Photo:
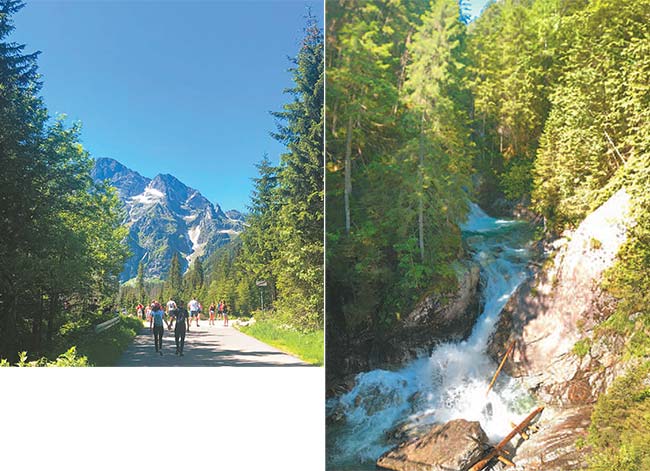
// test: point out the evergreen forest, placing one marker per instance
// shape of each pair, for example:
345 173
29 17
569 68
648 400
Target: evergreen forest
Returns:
283 241
539 108
63 243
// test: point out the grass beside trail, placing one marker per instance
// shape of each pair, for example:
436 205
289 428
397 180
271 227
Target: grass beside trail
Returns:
309 347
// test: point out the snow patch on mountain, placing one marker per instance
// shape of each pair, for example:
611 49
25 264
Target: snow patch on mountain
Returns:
149 196
165 217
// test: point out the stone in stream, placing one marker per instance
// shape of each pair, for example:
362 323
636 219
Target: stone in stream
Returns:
455 445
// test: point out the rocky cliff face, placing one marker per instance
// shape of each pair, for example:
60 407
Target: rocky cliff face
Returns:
164 216
435 319
547 317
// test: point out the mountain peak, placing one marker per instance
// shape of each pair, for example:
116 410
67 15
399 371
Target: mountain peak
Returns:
128 182
165 217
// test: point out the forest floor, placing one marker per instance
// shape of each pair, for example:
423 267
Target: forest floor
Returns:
206 346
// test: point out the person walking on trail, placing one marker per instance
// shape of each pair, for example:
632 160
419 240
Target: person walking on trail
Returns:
139 309
181 317
156 324
212 310
220 311
194 308
147 313
225 313
171 307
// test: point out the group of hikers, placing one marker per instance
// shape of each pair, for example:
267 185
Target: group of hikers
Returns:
176 314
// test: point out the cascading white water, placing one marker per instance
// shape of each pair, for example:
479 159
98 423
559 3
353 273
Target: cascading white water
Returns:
449 384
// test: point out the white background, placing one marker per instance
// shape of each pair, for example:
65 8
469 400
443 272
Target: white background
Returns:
162 418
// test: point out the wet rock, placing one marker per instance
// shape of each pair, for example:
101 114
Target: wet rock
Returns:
546 317
455 445
410 430
554 446
434 319
549 314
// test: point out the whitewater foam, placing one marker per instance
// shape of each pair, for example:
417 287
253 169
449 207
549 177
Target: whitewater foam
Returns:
452 382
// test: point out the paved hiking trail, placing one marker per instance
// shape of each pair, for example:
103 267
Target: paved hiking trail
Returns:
206 346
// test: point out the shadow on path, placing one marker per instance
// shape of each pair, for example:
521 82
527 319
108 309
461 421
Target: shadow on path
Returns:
206 346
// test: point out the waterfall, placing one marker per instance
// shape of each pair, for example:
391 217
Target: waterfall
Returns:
449 384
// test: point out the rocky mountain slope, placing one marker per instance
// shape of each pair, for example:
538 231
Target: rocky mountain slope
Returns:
551 319
164 216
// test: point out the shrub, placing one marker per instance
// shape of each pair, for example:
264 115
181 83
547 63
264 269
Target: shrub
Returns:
69 358
620 424
582 347
595 244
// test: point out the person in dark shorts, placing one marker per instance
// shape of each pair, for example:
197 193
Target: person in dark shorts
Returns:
225 314
212 309
181 318
156 323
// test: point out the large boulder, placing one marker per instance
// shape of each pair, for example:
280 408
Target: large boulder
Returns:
457 445
555 446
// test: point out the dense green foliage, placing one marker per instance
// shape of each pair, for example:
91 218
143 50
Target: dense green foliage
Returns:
61 243
398 156
105 348
517 49
68 358
542 104
283 240
597 131
620 428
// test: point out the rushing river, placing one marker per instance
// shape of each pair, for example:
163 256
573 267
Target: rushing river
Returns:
451 383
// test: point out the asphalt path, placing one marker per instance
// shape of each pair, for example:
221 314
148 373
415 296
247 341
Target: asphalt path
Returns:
206 345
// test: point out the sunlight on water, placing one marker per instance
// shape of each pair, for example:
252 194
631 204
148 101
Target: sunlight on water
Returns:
451 383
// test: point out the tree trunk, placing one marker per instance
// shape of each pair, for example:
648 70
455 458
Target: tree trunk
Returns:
37 328
51 316
348 174
9 334
421 201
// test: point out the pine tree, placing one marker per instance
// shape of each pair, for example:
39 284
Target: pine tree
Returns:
140 284
175 278
257 258
300 218
62 233
195 279
434 90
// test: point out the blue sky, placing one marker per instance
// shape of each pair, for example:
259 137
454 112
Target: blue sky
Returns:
476 6
169 86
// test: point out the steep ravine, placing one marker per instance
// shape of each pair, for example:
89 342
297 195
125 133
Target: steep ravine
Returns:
387 406
545 311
